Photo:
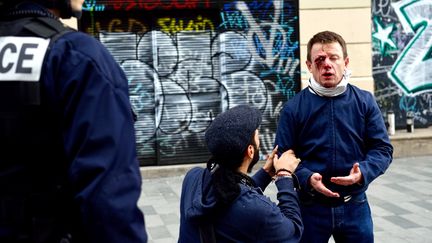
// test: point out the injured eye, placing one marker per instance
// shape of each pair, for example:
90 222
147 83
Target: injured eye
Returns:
320 59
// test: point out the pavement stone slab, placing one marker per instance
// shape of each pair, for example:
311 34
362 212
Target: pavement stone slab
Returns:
400 201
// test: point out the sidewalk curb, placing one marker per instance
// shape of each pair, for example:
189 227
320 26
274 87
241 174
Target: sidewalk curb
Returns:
153 172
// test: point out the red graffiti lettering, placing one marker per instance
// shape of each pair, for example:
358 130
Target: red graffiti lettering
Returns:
157 4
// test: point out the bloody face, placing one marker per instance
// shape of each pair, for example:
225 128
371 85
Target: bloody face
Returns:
327 63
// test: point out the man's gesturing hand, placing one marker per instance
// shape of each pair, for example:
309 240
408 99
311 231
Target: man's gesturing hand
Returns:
354 177
316 182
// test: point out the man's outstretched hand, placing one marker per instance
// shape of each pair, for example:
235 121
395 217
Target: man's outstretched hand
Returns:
316 182
354 177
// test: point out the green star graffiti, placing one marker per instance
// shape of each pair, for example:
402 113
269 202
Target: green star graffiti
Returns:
383 35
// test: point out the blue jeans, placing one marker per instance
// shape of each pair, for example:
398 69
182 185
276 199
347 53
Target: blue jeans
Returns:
350 222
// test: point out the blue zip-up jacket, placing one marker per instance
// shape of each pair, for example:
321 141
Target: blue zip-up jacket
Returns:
87 94
91 95
330 134
252 217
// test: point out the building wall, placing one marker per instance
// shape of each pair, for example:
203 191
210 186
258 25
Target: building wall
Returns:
377 60
390 49
402 59
172 121
350 19
187 61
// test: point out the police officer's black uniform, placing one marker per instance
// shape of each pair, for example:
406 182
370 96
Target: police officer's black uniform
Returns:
59 171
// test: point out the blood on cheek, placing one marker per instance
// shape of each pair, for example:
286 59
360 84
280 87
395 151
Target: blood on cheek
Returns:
319 62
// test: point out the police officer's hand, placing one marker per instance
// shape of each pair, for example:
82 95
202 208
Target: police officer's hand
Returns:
287 160
268 166
354 177
316 182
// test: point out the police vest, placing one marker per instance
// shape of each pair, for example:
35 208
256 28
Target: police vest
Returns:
33 194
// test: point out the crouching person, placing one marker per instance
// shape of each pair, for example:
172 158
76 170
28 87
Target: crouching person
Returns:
221 203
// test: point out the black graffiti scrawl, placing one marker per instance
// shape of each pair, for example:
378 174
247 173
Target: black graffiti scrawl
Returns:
187 61
402 59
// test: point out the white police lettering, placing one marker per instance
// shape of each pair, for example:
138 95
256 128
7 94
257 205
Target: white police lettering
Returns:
21 58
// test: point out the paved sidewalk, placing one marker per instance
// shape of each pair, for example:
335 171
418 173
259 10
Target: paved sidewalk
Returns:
401 203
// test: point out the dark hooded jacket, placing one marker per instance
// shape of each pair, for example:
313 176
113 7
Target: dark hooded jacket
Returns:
252 217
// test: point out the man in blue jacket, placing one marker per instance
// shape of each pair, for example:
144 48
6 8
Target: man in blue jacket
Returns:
221 203
68 167
339 133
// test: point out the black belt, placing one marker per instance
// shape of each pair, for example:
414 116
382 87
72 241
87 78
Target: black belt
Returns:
327 201
333 201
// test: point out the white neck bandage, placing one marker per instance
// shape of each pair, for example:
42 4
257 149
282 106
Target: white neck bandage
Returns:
317 89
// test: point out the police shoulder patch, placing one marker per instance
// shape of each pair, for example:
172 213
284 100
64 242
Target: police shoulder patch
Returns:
21 58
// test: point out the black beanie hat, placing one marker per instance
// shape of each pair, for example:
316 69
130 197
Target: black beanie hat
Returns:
230 132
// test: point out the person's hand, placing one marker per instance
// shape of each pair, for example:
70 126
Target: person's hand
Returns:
268 166
287 160
354 177
316 183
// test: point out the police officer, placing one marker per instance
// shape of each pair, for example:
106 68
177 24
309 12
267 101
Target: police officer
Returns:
68 165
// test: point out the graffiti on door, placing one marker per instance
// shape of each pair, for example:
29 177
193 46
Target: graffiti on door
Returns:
402 57
184 68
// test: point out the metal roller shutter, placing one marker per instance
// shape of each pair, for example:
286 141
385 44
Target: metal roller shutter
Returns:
187 61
